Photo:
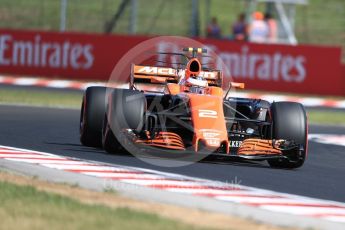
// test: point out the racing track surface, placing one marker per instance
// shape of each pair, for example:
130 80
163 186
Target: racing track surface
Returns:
56 131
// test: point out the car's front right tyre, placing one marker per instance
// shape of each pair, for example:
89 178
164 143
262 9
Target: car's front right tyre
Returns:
289 122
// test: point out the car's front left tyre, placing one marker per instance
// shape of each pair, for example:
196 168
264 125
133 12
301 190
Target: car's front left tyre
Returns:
125 111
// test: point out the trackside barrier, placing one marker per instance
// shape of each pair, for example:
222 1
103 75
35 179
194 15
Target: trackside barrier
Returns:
80 56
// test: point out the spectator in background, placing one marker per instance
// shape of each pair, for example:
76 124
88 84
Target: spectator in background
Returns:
258 29
272 28
239 29
213 30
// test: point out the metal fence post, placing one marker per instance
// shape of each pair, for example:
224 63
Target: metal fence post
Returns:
132 27
63 11
194 24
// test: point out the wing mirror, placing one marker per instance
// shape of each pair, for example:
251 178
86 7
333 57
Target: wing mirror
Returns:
236 85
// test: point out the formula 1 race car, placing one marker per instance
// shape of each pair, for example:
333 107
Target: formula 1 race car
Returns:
192 114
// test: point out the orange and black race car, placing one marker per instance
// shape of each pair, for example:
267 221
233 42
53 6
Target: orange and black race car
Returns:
187 112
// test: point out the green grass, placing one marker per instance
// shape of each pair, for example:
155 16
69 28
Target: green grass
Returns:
322 22
24 207
326 117
41 97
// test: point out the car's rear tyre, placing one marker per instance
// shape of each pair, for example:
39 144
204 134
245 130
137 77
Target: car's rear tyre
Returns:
91 116
289 122
126 110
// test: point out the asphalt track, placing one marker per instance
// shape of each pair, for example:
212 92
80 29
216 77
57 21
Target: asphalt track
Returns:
56 131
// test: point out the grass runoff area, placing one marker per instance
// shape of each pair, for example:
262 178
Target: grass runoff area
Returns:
40 97
327 117
37 210
72 99
30 203
24 207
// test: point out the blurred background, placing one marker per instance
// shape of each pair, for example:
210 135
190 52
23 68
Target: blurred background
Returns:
287 46
311 22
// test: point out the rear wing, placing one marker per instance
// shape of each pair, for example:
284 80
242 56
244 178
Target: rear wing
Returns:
163 75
